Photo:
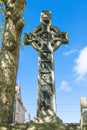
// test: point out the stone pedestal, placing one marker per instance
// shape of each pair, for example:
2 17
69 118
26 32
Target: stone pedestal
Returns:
46 117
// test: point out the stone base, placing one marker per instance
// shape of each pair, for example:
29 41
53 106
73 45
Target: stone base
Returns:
46 117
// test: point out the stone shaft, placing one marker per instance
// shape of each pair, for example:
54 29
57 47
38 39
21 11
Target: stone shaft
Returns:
46 39
46 87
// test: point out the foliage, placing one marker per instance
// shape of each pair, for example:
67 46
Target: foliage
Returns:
14 127
2 7
1 1
43 126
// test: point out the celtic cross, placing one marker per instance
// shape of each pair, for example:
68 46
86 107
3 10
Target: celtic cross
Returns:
46 39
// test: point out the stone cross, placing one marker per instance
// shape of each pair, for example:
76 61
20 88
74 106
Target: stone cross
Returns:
46 39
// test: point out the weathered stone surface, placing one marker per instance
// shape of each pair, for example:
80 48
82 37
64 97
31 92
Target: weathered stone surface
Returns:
83 106
46 117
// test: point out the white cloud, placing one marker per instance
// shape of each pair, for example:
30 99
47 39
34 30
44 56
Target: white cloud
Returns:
67 53
80 67
64 86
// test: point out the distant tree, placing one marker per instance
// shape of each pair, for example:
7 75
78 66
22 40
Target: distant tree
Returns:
9 56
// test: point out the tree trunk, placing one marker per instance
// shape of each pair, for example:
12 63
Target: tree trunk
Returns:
9 57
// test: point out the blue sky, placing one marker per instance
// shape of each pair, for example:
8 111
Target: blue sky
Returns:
70 60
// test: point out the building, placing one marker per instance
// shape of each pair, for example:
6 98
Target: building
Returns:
19 109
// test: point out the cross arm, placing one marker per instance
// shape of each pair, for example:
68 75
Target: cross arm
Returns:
64 37
32 39
58 39
29 38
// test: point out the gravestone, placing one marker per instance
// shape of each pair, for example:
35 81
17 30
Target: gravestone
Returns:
83 107
46 39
